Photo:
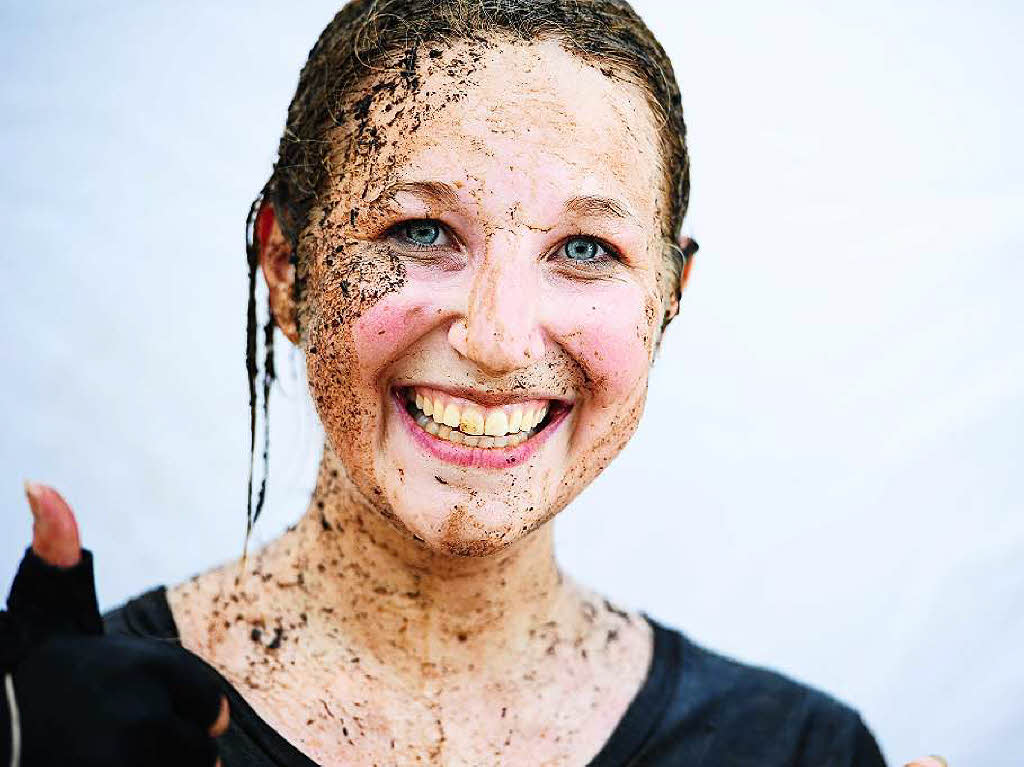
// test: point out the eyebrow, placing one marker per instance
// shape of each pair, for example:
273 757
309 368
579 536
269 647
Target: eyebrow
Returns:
592 205
434 191
445 194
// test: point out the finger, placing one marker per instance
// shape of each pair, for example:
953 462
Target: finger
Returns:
928 761
219 727
55 537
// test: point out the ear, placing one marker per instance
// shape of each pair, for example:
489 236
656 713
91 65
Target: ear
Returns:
689 250
278 270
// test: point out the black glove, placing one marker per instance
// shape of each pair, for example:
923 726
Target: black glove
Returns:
84 699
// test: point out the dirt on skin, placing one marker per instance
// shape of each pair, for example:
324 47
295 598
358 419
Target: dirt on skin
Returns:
351 636
330 654
343 273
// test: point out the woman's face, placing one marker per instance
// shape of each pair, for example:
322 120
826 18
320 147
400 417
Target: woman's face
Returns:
486 286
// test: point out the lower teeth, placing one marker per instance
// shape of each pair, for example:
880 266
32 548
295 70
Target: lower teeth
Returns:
457 437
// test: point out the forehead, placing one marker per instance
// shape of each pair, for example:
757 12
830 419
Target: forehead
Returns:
514 124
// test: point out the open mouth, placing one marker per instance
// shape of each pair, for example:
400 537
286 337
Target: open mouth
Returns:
460 421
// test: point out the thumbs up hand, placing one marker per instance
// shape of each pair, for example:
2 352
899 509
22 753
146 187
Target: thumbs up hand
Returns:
53 591
71 695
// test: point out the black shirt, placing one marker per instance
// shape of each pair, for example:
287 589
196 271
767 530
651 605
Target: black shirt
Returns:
696 708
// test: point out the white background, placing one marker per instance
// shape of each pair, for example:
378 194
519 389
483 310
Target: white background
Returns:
828 477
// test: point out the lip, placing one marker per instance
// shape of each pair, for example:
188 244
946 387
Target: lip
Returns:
475 457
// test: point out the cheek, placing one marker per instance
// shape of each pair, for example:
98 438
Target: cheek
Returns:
386 331
607 331
345 364
355 308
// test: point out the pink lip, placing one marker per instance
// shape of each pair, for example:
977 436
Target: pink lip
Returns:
476 457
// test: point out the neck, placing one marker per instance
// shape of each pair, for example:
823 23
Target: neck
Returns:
416 611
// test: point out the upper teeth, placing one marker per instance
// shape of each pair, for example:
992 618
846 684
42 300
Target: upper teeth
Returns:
473 419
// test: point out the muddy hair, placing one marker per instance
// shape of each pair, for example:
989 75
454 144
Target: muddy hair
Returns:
369 51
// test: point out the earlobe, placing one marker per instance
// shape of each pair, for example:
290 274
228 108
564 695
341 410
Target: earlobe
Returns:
278 270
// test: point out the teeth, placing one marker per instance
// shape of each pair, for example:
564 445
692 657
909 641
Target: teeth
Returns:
472 421
472 440
464 423
451 416
496 424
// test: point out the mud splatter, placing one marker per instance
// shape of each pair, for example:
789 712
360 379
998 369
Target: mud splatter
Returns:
390 634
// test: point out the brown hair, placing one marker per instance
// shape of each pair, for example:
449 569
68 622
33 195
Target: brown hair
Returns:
369 51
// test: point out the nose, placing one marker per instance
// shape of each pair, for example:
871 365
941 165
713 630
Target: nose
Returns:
500 330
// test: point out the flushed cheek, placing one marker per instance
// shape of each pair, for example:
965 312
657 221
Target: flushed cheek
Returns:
345 360
344 363
607 332
349 338
388 329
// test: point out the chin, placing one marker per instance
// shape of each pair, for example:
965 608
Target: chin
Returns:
462 524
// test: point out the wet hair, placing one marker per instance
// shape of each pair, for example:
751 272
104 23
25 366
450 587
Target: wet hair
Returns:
369 51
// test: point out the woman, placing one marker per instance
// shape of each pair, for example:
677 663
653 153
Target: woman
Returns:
472 233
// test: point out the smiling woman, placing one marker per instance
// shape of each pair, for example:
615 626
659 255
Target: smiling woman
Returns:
472 233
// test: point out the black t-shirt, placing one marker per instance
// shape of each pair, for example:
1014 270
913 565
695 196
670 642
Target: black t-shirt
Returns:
696 708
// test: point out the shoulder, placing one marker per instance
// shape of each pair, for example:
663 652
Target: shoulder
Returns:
249 740
176 611
181 612
725 711
146 615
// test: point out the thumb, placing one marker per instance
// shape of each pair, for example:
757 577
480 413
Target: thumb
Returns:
55 538
53 591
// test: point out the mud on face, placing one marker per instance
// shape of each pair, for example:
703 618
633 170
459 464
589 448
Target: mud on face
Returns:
511 130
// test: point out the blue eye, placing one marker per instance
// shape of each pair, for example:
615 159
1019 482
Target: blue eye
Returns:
581 249
589 251
425 233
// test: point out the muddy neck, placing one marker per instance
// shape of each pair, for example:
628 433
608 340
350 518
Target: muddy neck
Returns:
419 612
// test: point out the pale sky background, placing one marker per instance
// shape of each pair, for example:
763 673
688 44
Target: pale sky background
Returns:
828 477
